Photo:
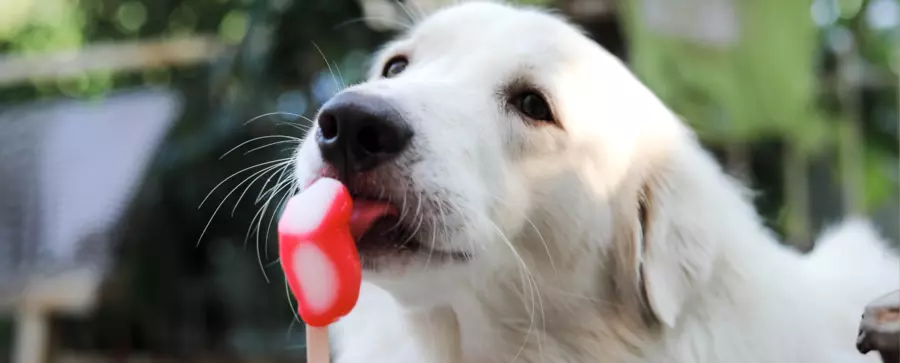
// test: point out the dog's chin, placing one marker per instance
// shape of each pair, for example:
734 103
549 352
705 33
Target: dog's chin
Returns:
388 245
391 248
414 272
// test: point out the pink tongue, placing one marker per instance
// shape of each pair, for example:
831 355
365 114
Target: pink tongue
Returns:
365 213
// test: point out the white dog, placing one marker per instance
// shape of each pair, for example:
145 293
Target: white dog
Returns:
525 198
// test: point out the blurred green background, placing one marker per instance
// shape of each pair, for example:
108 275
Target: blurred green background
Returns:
796 97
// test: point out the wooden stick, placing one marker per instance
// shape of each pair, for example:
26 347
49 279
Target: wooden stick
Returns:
317 347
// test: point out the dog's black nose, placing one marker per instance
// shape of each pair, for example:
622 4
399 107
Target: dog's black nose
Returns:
358 132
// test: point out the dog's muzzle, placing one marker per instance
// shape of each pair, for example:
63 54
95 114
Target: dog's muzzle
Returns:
359 132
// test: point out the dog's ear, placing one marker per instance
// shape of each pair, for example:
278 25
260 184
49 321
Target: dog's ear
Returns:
662 256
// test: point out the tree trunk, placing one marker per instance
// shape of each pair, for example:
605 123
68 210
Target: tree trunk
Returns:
796 196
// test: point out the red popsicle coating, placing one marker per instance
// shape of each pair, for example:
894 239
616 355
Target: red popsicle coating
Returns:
318 253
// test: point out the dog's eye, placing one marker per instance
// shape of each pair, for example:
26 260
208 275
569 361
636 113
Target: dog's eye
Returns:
533 106
394 66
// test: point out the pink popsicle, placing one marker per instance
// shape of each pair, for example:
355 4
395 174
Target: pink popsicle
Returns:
318 252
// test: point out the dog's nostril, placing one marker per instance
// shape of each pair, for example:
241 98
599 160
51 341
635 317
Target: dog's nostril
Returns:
328 126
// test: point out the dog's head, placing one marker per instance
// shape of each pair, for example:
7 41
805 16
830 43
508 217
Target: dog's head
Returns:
502 138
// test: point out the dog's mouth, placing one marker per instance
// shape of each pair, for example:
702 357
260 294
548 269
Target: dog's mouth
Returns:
378 229
386 233
382 232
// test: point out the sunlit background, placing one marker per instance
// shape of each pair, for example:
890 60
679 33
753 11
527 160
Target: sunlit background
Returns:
119 119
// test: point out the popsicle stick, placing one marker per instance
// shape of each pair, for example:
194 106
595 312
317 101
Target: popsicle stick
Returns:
317 350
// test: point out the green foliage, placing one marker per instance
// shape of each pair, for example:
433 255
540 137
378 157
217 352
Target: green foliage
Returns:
534 2
34 27
131 16
880 173
764 84
778 81
233 27
40 27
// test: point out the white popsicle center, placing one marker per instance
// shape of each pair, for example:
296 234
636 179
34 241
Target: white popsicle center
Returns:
316 276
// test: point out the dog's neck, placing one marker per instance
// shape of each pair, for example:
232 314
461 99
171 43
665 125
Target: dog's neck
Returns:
503 318
515 322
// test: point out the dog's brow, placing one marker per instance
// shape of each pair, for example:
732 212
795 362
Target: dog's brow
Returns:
520 81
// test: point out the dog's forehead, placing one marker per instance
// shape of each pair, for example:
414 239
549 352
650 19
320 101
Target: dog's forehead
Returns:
490 27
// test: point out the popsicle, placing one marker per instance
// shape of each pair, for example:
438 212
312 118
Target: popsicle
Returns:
318 253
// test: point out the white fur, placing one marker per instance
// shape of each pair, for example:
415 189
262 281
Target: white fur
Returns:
565 268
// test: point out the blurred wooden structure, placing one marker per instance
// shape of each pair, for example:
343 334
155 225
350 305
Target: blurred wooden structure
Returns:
40 297
79 358
119 56
69 170
63 187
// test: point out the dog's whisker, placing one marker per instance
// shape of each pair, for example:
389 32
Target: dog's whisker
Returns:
403 25
434 227
403 207
303 128
412 17
255 139
422 12
340 85
254 225
290 300
416 216
292 141
219 206
285 182
469 237
536 230
273 169
284 170
258 230
531 291
453 209
340 75
431 244
271 114
281 203
402 216
258 165
278 187
280 169
419 198
412 233
290 329
304 118
285 175
529 282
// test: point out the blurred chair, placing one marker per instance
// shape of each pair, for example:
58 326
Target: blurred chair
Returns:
68 170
